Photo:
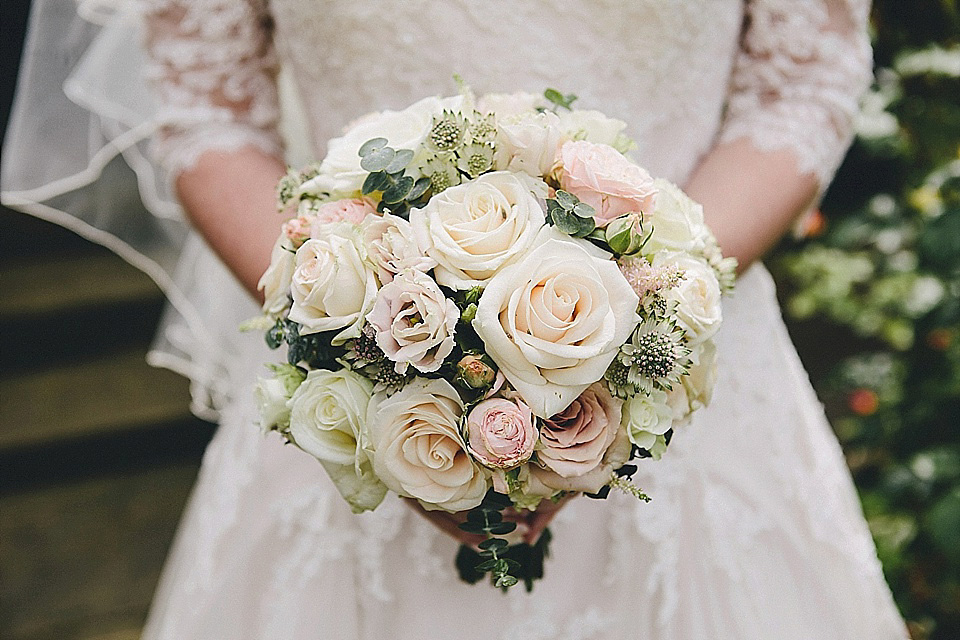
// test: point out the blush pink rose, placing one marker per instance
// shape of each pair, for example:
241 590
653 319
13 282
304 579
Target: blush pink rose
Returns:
298 230
352 210
602 177
574 441
501 432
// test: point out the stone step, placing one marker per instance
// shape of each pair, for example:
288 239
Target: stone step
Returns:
110 394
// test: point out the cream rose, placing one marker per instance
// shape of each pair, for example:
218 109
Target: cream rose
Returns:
275 281
695 389
415 322
392 248
528 142
593 126
340 173
697 296
474 229
574 441
418 450
647 416
554 321
502 434
333 287
272 396
676 220
328 413
605 179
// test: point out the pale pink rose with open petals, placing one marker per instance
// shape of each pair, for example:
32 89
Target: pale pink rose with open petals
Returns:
298 229
415 322
602 177
352 210
575 440
501 433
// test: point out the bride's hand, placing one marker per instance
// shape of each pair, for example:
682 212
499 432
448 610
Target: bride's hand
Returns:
530 524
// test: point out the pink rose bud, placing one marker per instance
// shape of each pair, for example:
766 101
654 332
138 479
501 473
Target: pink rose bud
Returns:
475 373
297 229
501 433
352 210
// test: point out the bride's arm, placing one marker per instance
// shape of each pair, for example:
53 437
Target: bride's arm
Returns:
794 92
213 67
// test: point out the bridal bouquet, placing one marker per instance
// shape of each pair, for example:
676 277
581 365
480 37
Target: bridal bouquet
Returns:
486 305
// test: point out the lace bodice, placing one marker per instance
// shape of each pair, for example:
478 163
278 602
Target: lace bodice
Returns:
683 73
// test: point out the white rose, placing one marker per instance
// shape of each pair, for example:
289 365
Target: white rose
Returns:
340 172
646 417
333 286
677 221
392 248
272 395
275 281
508 104
594 126
418 449
554 321
328 413
474 229
695 389
697 296
528 142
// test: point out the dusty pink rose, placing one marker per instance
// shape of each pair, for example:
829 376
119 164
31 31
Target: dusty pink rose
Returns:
415 322
352 210
501 433
602 177
575 440
392 247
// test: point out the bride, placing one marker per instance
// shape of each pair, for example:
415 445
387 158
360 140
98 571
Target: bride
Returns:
754 531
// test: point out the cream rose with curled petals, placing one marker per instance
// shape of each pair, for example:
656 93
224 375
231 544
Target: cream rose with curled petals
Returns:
605 179
275 281
328 414
418 450
476 228
415 322
501 432
647 416
676 221
697 296
333 286
554 321
392 248
574 441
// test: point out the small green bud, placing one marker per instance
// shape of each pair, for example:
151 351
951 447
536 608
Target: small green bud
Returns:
469 313
625 234
473 372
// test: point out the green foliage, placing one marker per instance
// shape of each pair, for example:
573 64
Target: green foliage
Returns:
559 100
387 167
878 283
571 216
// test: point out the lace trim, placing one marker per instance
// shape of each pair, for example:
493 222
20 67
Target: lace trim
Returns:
796 86
213 66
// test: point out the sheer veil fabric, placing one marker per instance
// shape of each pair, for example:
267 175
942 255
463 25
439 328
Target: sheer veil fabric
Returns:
755 530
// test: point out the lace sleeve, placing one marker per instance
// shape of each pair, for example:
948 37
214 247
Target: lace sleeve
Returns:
213 67
802 67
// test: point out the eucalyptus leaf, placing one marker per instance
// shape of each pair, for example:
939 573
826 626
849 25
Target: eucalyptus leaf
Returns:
398 190
377 181
494 544
378 159
505 582
371 145
502 528
471 527
583 210
400 161
419 188
566 200
487 565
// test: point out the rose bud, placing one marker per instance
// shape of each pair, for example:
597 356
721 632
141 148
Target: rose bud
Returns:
473 372
501 433
625 234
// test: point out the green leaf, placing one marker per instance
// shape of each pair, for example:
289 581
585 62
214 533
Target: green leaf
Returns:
494 544
377 181
583 210
505 582
502 528
400 161
398 191
558 99
472 527
371 145
378 159
566 200
487 565
419 188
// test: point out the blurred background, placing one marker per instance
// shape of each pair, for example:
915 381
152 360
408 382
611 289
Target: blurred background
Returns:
91 487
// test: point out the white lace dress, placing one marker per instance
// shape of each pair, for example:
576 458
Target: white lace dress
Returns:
754 531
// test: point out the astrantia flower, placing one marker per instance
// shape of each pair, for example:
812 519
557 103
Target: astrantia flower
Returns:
441 168
482 128
475 158
447 132
656 356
